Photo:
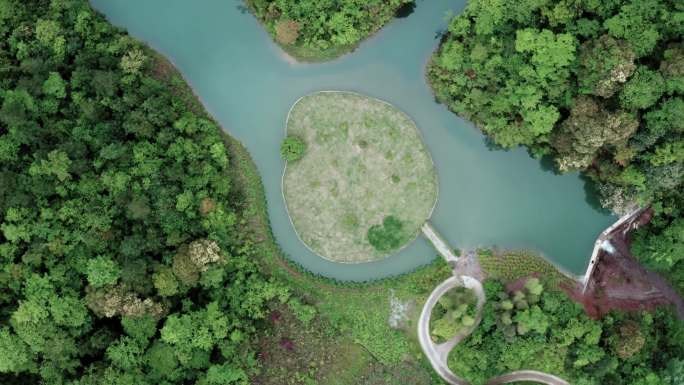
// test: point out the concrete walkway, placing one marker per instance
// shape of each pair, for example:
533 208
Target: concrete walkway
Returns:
527 375
438 242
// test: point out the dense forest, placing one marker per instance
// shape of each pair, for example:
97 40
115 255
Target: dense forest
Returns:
597 85
536 328
122 259
125 257
323 29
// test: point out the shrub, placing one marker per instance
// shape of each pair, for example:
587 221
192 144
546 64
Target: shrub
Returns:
387 236
292 149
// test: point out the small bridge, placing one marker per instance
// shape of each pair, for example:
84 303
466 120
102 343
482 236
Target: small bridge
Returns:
438 242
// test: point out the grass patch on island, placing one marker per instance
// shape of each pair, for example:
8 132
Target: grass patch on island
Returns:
365 183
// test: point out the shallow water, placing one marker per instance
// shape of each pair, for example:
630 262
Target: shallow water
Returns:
486 197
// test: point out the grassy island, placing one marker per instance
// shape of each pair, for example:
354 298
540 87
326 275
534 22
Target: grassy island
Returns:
366 182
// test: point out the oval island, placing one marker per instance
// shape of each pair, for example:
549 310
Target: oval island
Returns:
361 182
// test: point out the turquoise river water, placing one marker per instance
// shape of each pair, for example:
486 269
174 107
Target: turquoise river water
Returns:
486 197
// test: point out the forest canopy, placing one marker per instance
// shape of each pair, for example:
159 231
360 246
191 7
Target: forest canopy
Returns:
323 29
537 328
122 256
597 85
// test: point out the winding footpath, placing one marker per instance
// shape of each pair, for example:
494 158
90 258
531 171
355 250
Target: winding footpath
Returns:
438 354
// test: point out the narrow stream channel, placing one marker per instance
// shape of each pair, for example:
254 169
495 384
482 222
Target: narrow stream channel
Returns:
487 197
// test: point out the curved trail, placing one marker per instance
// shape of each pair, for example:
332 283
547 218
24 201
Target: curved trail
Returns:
528 375
438 353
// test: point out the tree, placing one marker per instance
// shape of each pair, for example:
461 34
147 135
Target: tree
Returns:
388 236
604 65
225 374
102 271
55 86
133 62
454 311
287 31
643 90
292 149
589 128
672 68
637 23
15 356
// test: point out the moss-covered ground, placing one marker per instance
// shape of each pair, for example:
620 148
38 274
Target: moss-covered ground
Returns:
365 162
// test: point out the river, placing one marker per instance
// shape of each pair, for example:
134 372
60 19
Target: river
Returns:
487 197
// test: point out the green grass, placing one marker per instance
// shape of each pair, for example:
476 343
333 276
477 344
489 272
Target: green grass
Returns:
365 163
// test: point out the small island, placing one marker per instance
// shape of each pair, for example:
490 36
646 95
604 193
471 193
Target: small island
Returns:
362 182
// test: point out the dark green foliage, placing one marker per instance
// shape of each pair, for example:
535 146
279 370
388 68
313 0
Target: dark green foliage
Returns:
292 149
546 331
642 90
603 65
121 258
388 236
519 313
323 29
596 84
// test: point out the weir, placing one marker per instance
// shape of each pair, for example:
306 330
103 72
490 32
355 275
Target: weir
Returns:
603 242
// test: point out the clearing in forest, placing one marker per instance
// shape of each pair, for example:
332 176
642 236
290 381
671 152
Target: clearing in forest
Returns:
365 183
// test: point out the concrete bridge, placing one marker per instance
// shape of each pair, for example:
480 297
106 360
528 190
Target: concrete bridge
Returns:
439 243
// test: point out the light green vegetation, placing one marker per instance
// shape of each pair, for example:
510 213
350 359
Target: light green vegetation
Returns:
454 312
335 348
366 183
